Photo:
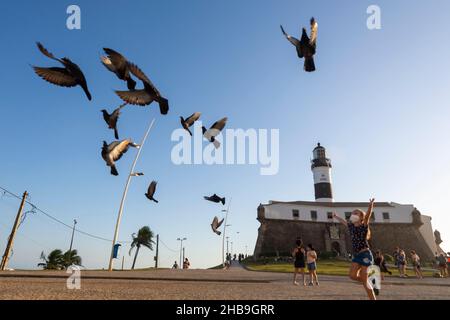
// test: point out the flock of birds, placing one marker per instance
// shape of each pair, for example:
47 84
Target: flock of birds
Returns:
70 75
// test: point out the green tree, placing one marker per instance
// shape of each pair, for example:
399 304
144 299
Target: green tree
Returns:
144 238
54 261
70 258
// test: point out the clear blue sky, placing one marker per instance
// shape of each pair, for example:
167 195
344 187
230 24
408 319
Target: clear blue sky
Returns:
378 102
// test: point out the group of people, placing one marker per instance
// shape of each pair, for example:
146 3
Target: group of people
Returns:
400 262
233 257
305 257
186 264
362 258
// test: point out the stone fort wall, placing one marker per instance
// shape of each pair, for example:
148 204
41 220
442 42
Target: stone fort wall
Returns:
277 237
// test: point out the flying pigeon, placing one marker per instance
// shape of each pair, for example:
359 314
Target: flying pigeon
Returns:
214 131
69 76
189 121
216 224
306 47
114 151
151 191
215 198
118 64
111 119
144 96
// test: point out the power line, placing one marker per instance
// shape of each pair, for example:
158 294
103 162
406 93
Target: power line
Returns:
165 245
35 208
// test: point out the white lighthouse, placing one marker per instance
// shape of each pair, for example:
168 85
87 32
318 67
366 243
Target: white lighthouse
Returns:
321 168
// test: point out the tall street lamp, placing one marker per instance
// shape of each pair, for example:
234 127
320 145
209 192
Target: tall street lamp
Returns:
124 196
181 249
224 231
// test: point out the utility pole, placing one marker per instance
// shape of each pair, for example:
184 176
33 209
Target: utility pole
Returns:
73 231
157 250
8 249
227 245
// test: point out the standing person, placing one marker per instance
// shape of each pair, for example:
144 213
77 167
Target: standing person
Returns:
186 264
358 226
416 264
299 262
448 260
311 258
402 264
443 265
381 263
396 255
175 265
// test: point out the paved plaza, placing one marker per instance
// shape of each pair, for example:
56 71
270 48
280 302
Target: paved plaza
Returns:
235 283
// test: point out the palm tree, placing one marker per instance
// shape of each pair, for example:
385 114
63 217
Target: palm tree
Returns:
71 257
144 238
54 261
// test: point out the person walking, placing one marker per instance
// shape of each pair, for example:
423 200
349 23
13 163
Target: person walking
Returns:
416 264
402 264
381 263
299 261
358 226
396 255
442 265
311 258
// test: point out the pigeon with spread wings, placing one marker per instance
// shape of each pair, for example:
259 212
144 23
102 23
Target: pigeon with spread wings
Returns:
214 131
187 123
306 46
216 225
144 96
118 64
69 76
111 119
215 198
151 191
114 151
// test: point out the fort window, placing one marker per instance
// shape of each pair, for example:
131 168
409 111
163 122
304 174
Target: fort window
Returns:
347 215
372 217
295 214
386 216
330 215
313 215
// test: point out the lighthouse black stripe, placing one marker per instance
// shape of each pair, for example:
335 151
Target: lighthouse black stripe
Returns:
323 190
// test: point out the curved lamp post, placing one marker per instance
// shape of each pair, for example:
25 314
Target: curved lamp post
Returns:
132 174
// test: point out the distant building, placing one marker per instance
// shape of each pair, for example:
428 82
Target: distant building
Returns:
392 224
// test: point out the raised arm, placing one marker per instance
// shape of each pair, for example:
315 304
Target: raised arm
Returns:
369 211
343 221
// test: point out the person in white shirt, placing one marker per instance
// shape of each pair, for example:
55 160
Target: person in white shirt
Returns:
311 257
